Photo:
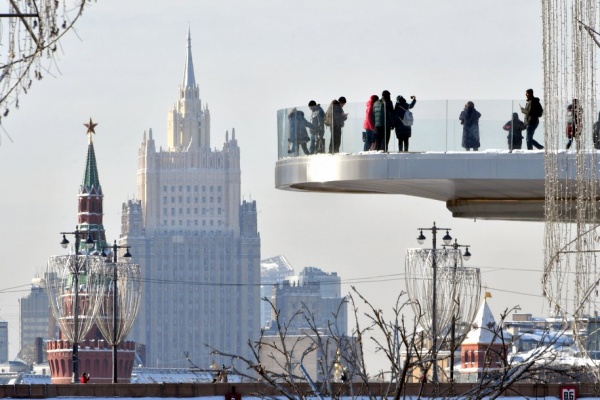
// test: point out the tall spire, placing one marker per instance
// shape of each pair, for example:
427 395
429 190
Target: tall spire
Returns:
189 81
89 212
91 179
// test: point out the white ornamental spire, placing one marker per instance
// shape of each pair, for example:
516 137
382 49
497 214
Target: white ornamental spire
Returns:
189 81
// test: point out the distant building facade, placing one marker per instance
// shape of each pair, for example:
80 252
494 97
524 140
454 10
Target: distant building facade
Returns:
323 357
197 242
272 270
319 294
35 320
3 341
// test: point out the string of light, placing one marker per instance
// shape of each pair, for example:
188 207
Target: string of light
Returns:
569 60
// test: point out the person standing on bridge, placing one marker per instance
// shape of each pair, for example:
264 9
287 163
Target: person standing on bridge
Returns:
515 128
317 134
334 119
532 112
469 119
403 133
574 117
385 120
369 124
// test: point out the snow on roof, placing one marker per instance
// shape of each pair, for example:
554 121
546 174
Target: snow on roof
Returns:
175 375
556 356
485 330
556 338
278 264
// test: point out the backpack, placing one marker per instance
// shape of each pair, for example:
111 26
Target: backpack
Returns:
537 109
329 114
408 118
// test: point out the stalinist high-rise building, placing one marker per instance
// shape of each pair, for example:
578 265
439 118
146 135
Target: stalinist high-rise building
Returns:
196 241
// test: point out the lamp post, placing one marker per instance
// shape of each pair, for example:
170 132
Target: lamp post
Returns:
89 243
127 254
447 240
466 256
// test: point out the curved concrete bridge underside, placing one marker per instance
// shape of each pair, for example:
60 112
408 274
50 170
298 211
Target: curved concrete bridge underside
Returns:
488 185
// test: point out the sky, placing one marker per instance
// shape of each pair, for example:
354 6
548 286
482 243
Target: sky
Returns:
123 66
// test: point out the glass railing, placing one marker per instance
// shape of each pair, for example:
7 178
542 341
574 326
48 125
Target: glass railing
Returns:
436 128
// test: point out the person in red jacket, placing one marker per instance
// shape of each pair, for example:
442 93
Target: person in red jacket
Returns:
85 378
369 125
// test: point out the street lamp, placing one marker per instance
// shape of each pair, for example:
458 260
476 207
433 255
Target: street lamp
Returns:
89 243
447 240
466 256
115 340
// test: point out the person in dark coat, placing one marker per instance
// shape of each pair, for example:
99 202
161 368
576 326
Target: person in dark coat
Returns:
334 119
532 112
403 133
469 119
596 133
573 129
515 128
298 134
317 136
384 120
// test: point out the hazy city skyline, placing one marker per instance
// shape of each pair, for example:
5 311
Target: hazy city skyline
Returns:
252 59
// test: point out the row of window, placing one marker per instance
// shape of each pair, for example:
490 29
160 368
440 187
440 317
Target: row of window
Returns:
189 199
83 205
188 211
188 188
470 357
189 223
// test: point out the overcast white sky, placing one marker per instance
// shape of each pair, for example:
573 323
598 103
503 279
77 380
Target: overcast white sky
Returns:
251 59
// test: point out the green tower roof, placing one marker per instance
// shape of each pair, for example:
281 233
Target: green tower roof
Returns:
90 177
91 180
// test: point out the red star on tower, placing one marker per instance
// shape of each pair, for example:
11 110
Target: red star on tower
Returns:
90 125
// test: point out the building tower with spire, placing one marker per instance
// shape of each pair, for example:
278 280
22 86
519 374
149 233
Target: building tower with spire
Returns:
95 356
197 243
90 199
485 347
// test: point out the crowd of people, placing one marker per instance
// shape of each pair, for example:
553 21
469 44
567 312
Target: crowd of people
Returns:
532 112
382 117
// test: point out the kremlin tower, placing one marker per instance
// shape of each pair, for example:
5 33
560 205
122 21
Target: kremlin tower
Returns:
94 353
